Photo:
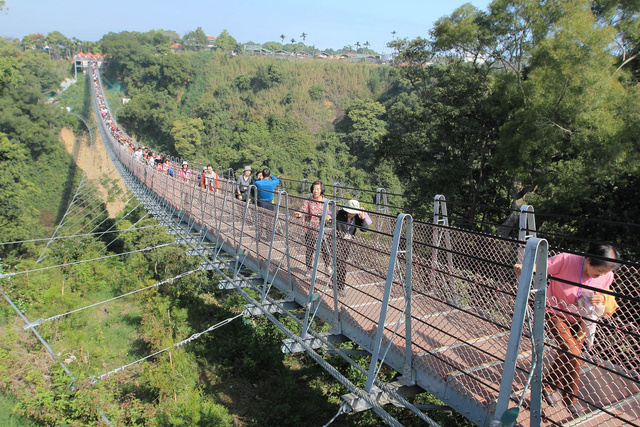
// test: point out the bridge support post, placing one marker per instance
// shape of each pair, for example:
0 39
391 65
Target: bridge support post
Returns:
246 213
382 205
305 189
440 231
526 227
535 260
404 221
314 298
337 193
280 196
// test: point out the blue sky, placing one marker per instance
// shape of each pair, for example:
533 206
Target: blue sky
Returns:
328 23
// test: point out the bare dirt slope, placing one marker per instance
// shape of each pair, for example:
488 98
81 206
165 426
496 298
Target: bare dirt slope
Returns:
95 162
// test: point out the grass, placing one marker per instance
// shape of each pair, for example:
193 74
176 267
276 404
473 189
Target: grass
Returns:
7 418
101 338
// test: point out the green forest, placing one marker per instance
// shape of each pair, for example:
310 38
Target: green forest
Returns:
525 103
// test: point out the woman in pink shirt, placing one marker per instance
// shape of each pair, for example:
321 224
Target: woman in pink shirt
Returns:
563 320
184 173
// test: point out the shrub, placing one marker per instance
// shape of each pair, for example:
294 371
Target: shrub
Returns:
316 92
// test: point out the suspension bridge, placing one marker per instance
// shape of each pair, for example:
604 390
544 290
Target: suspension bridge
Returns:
439 305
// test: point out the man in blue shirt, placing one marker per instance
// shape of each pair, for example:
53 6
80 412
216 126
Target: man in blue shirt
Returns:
266 186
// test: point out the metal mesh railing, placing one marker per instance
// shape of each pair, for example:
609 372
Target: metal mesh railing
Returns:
608 383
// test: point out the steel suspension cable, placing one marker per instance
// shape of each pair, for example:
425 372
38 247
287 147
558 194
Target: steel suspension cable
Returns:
88 213
123 217
84 175
117 222
340 411
124 231
61 221
178 344
92 198
95 197
48 348
88 202
98 233
155 285
16 273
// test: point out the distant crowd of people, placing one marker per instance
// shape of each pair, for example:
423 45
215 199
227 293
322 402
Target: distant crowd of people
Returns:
264 181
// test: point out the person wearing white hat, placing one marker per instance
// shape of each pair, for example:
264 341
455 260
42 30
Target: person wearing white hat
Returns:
184 173
243 182
349 219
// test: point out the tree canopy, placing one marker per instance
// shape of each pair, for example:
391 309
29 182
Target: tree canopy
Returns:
543 109
196 40
226 41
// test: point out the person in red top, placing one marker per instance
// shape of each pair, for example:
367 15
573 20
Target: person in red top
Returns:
312 211
210 179
563 318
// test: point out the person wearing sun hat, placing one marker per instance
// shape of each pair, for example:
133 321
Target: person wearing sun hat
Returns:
184 173
243 182
349 219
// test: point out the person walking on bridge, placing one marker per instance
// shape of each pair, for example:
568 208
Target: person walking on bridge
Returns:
209 179
311 210
266 186
242 183
184 174
564 318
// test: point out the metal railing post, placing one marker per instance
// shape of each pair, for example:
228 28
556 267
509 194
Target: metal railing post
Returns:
312 298
338 193
270 252
527 227
287 240
440 230
535 260
395 250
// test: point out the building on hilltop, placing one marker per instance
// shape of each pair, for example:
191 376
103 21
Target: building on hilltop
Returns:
82 61
211 42
175 48
256 49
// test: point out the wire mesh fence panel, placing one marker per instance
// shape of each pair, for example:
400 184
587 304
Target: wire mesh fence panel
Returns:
464 290
600 374
362 267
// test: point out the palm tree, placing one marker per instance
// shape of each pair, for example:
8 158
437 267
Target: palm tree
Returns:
366 45
303 36
395 48
282 36
357 47
293 40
